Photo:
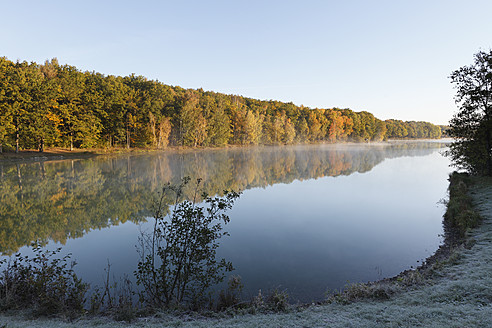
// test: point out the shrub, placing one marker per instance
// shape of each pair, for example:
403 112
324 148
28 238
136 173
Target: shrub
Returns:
277 300
232 295
45 283
460 214
178 259
361 291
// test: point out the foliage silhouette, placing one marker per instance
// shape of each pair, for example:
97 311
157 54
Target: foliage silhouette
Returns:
45 283
178 258
471 126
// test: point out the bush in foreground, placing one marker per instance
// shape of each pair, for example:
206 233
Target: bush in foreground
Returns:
45 283
178 258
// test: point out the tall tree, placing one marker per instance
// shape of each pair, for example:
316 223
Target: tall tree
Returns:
302 130
114 112
193 124
7 125
471 126
16 100
163 132
34 101
219 126
92 103
71 85
314 126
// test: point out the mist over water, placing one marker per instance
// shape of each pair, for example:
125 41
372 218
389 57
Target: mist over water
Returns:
310 218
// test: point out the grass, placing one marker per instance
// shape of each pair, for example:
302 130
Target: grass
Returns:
457 293
460 214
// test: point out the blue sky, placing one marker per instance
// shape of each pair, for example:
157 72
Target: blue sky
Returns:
391 58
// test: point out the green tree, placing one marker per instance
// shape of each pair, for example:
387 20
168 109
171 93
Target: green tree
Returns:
471 126
79 122
39 123
289 132
302 130
17 99
92 103
314 127
7 126
219 127
163 132
192 123
218 122
113 113
238 123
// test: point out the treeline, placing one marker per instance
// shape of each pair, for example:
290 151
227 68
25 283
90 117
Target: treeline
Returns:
60 106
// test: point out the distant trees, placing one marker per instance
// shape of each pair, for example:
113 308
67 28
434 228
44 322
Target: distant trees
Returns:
7 125
59 106
418 130
471 126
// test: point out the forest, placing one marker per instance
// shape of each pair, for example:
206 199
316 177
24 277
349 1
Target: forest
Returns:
53 105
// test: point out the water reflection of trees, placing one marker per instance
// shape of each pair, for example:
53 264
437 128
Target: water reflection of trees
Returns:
66 199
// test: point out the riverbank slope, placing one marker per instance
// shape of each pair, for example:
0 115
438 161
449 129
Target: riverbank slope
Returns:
458 295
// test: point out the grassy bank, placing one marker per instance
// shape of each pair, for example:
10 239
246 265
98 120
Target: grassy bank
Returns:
453 290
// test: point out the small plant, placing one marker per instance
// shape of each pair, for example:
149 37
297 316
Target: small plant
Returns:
232 295
278 300
45 283
124 309
411 278
258 302
116 299
178 259
359 291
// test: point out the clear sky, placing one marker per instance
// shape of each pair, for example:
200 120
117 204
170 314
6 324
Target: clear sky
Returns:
391 58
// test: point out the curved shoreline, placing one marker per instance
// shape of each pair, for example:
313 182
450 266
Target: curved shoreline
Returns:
454 289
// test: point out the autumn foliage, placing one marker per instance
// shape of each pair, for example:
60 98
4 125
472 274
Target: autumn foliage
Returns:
60 106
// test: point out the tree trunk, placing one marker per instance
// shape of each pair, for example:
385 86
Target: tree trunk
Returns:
152 129
127 138
71 141
17 135
41 145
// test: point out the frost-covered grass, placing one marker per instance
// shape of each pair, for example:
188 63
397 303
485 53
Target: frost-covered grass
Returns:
459 295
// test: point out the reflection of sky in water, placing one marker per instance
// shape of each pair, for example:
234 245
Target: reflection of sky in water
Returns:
312 235
318 234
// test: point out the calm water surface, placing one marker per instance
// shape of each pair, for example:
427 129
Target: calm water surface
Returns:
310 219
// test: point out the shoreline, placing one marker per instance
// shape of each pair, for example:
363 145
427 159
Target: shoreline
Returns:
453 287
51 154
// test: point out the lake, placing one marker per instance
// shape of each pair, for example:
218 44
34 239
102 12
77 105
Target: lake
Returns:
310 218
